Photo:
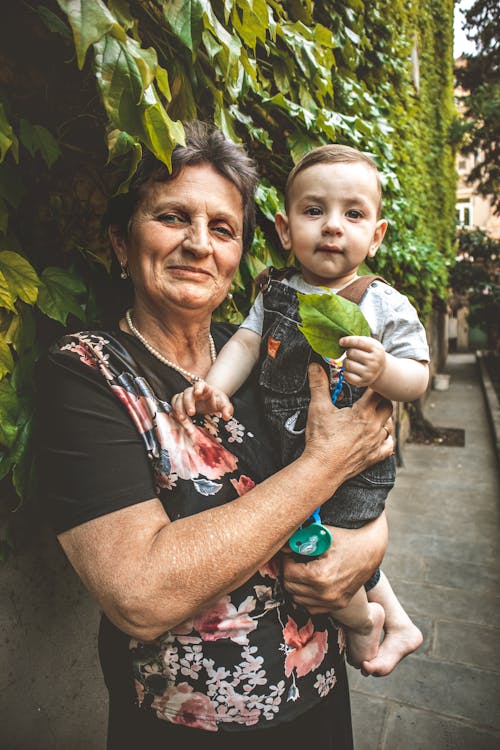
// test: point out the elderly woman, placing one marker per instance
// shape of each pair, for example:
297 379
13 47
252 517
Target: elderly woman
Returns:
209 635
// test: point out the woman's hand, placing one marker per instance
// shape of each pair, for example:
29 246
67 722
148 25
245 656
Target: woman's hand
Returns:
329 581
357 437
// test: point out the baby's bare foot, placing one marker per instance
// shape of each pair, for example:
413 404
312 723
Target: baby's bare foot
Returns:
398 643
362 645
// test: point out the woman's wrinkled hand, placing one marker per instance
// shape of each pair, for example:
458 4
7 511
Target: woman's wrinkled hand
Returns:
328 582
349 439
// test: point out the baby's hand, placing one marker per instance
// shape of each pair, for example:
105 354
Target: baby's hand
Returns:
201 398
365 360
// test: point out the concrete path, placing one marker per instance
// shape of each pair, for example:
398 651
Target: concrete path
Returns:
443 561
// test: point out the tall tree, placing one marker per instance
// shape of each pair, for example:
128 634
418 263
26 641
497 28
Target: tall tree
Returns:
478 75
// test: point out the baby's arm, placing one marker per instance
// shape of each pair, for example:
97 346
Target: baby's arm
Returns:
235 361
232 367
395 378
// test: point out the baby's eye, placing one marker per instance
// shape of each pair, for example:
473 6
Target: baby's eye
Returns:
353 213
313 211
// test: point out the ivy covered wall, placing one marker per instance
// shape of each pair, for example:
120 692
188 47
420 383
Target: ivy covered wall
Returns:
83 85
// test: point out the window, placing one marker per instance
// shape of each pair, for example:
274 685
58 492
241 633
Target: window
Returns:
463 214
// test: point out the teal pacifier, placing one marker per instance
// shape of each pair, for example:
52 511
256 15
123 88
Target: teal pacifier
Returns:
312 539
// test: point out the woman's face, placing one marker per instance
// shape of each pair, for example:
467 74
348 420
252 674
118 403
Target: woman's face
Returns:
185 241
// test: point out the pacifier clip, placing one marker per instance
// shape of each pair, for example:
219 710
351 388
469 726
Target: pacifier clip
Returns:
312 538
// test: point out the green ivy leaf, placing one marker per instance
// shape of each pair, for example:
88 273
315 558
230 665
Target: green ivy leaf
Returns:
60 294
328 317
9 411
6 361
5 464
185 18
161 133
20 276
120 82
7 136
6 298
90 20
37 139
21 331
53 22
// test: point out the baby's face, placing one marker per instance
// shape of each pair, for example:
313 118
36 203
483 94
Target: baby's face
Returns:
331 224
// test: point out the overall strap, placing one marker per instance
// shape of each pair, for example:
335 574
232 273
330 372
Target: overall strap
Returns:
277 274
356 290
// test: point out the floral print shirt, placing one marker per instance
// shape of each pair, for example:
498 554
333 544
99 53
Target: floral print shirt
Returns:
252 659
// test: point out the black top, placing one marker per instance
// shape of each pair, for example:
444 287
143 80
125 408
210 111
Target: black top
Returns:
107 441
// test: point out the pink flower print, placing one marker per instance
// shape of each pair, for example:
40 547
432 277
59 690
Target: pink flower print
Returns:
341 641
181 705
243 484
139 689
141 409
308 647
85 354
271 568
192 455
225 621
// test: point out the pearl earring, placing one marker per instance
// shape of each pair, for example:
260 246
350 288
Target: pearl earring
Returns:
124 273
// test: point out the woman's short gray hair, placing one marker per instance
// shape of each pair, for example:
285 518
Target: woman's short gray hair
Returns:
205 144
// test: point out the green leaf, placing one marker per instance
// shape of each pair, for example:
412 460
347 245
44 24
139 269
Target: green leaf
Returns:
5 464
185 18
161 133
37 139
268 200
7 136
6 361
120 82
60 294
90 20
21 330
9 412
163 82
328 317
6 298
53 22
20 276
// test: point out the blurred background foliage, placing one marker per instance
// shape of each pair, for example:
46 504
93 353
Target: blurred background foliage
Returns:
85 84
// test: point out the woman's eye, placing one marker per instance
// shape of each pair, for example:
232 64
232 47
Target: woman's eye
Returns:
172 219
223 230
353 213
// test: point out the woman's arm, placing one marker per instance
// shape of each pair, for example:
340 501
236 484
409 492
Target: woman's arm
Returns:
149 574
330 581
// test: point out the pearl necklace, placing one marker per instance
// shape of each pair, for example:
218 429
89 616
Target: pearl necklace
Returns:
189 375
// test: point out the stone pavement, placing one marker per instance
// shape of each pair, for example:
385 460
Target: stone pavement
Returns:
443 562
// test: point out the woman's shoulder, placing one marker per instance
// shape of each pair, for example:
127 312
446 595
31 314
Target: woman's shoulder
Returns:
69 341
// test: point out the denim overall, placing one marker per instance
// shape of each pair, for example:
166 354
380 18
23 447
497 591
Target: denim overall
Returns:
285 356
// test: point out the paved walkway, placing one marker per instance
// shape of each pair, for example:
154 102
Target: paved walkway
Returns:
443 561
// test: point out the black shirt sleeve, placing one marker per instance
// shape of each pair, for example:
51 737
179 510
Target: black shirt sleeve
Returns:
91 459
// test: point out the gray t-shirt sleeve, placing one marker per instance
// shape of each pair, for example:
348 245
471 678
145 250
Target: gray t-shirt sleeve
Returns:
394 322
255 318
